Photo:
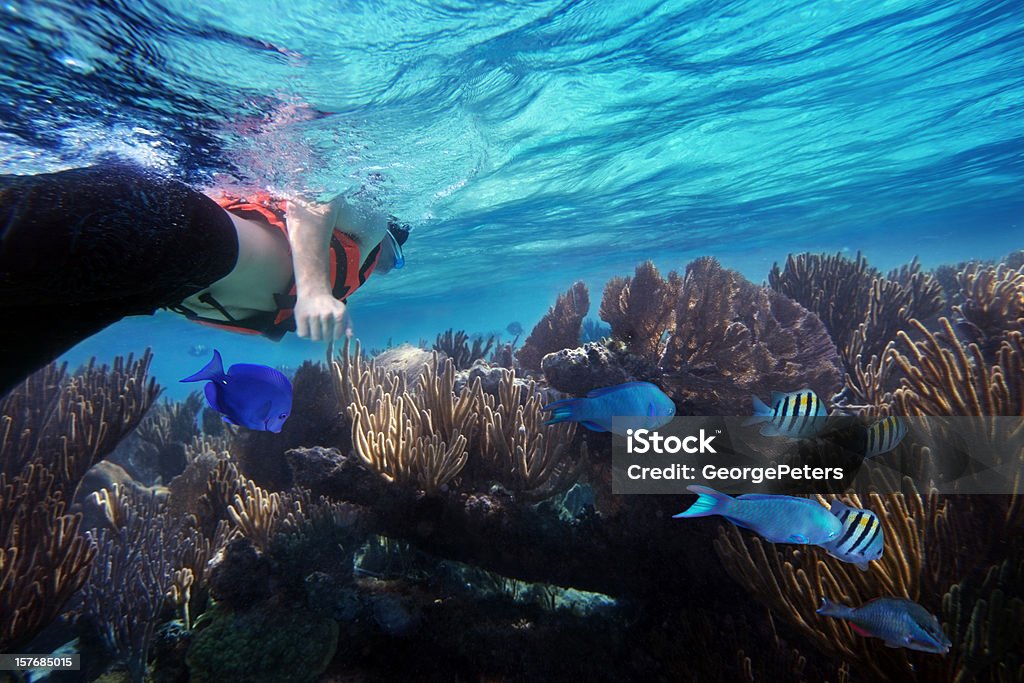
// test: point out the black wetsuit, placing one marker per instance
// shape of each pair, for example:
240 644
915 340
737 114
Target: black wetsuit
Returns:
81 249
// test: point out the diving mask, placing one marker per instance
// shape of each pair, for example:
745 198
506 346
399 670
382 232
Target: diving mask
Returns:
391 256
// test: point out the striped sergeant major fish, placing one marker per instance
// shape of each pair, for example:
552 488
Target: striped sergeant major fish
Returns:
884 435
797 415
861 539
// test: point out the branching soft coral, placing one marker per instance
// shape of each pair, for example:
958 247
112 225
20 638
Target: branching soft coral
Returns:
423 437
992 303
53 428
944 376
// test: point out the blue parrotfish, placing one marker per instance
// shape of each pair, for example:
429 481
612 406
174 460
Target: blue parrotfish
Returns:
253 396
776 518
797 415
884 435
897 621
861 540
641 405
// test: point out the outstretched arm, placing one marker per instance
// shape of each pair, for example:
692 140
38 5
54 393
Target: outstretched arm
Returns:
318 315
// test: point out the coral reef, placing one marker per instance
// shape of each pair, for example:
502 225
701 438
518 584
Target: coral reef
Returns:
861 309
935 546
832 286
792 579
733 339
422 437
986 623
640 309
396 435
155 452
53 428
131 575
991 304
944 376
106 475
558 329
266 644
262 627
933 541
580 370
420 521
241 575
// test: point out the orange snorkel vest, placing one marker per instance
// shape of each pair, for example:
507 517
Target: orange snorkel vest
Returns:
348 271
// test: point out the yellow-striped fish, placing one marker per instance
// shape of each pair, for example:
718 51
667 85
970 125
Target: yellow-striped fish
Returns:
861 540
797 415
884 435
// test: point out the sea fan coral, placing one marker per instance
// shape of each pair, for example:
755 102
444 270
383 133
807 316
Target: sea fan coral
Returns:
640 309
132 575
943 376
558 329
733 339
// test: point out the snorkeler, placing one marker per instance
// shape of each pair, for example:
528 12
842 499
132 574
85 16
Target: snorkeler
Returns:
82 249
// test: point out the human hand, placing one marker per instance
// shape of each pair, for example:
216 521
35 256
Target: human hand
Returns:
321 317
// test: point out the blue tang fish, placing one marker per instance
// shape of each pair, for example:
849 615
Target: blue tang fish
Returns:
253 396
897 621
861 540
778 519
797 415
884 435
641 404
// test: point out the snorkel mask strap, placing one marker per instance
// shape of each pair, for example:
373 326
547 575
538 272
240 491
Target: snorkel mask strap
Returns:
394 247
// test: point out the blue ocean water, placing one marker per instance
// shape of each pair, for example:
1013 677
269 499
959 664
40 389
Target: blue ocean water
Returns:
531 144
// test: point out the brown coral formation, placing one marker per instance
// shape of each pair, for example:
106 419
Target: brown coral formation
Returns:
53 428
985 624
455 345
932 542
581 370
455 469
423 437
558 329
261 516
733 339
640 309
791 579
132 574
833 286
991 303
862 310
944 376
155 452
